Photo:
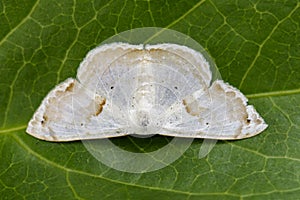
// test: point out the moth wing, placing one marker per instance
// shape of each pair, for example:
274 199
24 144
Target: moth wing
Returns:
96 72
71 112
218 112
200 65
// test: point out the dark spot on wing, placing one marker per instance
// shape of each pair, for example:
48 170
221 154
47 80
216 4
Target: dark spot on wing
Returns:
45 118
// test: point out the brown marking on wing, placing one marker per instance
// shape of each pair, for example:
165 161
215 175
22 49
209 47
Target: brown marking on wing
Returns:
100 106
258 121
70 88
230 94
191 108
185 104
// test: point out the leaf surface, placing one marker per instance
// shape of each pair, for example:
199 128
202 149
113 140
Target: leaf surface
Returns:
255 45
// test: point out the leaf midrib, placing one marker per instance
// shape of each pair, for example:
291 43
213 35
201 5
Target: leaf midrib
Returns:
273 93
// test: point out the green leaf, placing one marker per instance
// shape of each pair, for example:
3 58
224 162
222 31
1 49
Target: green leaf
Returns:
256 47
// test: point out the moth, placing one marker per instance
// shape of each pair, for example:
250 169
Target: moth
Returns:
125 89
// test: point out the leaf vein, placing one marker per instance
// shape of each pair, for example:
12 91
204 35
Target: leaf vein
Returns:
263 43
20 24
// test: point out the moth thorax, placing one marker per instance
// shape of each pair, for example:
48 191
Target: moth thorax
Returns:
144 122
143 111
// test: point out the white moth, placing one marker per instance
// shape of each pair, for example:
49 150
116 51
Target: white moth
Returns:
123 89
